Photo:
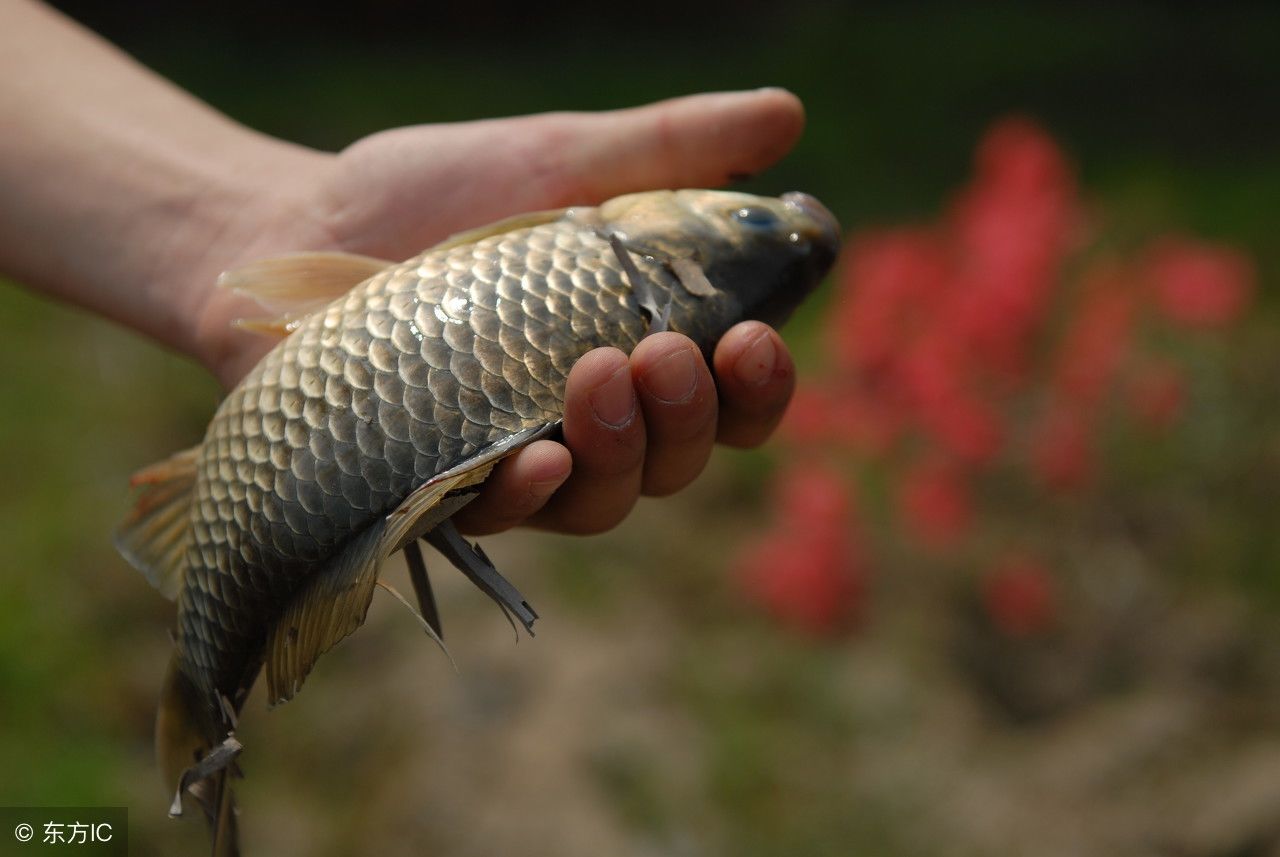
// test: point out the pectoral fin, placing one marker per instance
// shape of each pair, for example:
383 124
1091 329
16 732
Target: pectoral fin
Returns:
295 285
335 600
427 606
472 562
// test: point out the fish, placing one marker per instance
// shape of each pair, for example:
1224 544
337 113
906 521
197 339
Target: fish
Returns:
394 390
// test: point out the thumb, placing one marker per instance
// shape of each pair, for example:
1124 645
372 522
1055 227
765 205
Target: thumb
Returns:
400 190
695 141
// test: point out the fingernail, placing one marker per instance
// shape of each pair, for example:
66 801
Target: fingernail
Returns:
756 364
673 378
614 401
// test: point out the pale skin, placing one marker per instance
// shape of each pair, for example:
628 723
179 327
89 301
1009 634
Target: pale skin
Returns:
127 196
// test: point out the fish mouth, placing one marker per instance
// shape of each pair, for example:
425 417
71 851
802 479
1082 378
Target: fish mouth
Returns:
826 234
817 212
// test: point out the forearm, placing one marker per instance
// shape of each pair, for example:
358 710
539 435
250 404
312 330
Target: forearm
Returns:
114 184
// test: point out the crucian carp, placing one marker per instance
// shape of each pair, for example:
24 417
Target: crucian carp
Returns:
394 391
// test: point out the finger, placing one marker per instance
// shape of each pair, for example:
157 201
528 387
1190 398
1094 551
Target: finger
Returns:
678 399
519 486
696 141
478 172
755 376
605 433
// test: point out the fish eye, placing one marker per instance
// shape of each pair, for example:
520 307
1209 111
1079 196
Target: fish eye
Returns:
756 216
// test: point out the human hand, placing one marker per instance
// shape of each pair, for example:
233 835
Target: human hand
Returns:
639 425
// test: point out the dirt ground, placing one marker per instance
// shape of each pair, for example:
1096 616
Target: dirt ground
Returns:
645 721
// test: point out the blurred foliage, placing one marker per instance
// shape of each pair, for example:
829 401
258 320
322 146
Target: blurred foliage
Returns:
655 713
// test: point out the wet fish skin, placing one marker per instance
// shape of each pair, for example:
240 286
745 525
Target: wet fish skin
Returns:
419 368
431 366
410 374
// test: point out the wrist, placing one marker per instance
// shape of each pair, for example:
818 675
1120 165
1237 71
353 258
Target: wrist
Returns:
125 195
254 201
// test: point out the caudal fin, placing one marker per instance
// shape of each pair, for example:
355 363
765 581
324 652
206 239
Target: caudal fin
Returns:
218 803
197 757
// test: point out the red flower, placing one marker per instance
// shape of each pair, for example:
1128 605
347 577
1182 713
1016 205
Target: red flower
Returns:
890 282
1020 597
1157 395
964 426
1200 285
807 571
1097 338
934 502
812 497
1062 454
938 382
810 418
1018 152
812 583
936 333
840 415
1011 229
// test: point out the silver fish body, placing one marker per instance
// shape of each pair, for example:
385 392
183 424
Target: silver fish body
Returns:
426 367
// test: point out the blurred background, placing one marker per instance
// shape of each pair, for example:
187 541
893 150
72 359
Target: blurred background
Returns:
1006 583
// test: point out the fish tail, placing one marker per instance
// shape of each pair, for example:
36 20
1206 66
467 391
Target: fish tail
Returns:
223 828
197 758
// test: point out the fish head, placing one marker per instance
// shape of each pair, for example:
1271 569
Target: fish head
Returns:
761 255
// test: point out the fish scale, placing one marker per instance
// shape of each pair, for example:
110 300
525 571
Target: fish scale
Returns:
362 402
395 392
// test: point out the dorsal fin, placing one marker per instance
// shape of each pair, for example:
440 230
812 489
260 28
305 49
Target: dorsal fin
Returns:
153 538
507 224
297 284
